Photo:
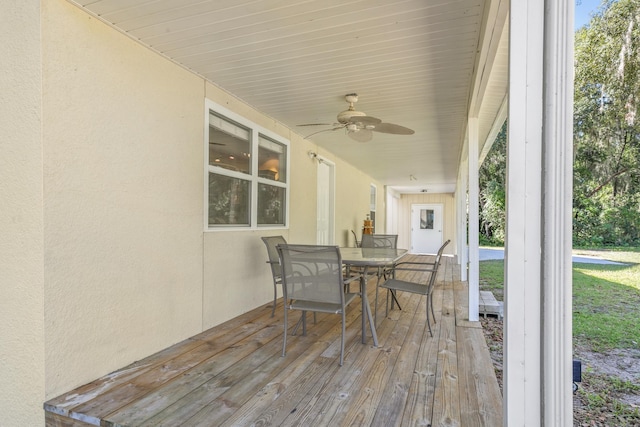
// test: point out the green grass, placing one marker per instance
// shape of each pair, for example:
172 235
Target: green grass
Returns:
606 315
606 301
606 298
492 278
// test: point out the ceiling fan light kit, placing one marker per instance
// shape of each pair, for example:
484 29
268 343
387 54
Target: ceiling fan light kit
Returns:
358 125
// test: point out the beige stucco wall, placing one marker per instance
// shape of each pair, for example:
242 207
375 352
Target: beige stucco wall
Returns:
448 213
21 247
123 155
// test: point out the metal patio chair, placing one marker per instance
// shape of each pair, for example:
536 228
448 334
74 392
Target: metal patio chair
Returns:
380 241
274 261
312 280
422 288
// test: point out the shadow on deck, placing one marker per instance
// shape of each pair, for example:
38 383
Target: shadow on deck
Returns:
234 375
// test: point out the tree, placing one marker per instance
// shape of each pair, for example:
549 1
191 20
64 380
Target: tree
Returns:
606 129
492 191
606 190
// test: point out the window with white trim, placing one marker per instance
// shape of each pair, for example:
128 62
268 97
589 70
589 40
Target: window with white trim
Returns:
247 173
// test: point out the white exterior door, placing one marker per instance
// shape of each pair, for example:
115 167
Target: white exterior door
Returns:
426 228
326 197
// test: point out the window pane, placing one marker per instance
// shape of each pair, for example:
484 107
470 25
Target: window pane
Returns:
271 205
272 162
229 200
229 145
426 219
372 198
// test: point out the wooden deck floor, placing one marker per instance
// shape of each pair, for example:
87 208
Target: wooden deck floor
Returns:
234 375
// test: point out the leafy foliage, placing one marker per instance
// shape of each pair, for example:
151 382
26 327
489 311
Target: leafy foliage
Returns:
492 192
606 199
606 128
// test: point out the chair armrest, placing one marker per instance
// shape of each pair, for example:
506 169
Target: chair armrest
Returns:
415 263
412 269
399 265
422 268
347 280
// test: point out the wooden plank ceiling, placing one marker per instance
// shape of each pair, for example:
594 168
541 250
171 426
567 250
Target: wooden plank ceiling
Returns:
410 61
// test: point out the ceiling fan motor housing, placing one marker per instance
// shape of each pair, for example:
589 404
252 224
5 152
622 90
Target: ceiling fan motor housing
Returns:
345 116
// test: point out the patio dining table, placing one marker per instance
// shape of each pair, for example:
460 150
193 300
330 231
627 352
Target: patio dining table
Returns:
366 258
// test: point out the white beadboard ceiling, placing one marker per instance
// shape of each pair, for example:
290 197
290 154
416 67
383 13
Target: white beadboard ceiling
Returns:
412 63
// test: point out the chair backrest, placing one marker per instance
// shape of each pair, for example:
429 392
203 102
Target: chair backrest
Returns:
355 236
271 242
379 241
311 273
441 250
437 262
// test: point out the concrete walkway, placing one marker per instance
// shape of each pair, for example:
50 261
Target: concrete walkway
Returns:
498 253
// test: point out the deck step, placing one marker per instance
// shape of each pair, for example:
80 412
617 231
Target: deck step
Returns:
489 305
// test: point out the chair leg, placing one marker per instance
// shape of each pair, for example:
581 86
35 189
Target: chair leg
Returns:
284 341
428 320
386 304
375 309
393 295
298 323
431 304
303 320
275 297
304 323
342 340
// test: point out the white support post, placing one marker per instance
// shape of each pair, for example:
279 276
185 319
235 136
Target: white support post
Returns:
458 230
557 204
537 334
522 325
463 250
474 221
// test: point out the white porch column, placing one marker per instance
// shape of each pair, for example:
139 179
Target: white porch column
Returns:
557 156
522 331
537 334
474 218
461 192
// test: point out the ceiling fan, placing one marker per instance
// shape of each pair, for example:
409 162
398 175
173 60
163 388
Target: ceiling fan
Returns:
358 125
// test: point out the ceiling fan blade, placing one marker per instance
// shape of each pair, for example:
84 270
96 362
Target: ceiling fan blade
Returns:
323 130
362 135
365 120
394 129
317 124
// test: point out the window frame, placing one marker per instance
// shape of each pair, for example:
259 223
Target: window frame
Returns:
373 202
255 132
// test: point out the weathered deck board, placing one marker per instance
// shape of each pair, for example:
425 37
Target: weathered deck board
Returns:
296 375
365 394
389 410
446 405
234 374
333 400
480 398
